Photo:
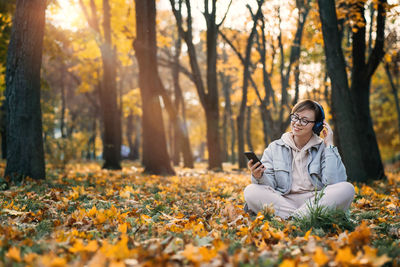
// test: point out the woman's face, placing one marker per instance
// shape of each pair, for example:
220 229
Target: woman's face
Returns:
303 130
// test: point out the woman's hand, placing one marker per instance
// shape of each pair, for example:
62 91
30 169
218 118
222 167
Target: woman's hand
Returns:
328 134
256 169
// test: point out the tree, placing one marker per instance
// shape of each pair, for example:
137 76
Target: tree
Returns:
352 18
246 74
208 94
342 105
155 156
25 156
6 11
361 73
110 111
272 128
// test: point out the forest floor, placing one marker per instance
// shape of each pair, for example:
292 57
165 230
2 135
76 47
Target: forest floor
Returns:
85 216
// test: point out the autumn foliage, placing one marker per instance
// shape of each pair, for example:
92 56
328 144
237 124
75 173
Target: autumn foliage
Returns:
85 216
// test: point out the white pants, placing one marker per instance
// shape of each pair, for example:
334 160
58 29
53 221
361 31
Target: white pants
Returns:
339 195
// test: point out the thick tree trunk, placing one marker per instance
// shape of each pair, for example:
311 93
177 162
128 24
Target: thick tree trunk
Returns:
342 104
360 91
108 98
155 156
212 112
25 156
366 134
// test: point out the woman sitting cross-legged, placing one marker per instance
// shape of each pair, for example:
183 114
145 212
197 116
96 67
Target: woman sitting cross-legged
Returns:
299 165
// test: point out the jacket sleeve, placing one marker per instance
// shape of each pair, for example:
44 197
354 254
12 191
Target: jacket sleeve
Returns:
333 169
268 176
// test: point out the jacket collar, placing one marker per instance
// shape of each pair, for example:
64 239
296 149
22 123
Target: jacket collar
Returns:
316 146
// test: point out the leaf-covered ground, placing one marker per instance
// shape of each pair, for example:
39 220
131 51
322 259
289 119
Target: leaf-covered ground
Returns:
85 216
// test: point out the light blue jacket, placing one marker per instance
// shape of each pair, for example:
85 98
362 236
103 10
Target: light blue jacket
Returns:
324 166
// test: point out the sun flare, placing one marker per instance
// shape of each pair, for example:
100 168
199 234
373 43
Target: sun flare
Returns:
65 14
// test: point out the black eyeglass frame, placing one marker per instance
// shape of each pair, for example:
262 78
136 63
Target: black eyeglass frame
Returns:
304 122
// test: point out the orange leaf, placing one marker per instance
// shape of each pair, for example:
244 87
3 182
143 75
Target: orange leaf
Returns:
344 255
123 228
307 234
288 263
14 254
319 257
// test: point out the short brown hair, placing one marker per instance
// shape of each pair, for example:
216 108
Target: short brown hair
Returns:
310 105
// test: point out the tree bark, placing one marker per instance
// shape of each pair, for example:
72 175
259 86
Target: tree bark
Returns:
342 105
246 74
108 97
394 92
25 156
155 156
248 129
208 99
181 134
111 114
362 72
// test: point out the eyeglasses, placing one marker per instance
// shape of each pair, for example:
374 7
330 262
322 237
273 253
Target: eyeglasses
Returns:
303 121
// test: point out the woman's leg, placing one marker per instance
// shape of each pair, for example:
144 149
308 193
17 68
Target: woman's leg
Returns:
339 196
256 196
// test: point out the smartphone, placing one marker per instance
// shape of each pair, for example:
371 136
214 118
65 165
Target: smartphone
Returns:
250 155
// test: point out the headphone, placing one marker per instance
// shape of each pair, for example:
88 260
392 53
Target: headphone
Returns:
319 125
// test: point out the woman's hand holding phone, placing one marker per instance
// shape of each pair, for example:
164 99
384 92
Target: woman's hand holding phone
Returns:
257 169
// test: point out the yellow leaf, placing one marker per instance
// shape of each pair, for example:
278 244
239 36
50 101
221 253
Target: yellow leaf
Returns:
207 254
14 254
307 234
319 257
122 228
288 263
344 255
30 257
77 247
92 246
371 258
92 212
191 253
360 236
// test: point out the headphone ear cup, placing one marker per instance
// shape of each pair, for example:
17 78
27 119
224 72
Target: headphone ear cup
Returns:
318 127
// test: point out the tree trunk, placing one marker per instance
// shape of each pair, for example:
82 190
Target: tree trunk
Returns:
248 129
181 135
155 156
209 99
134 154
362 72
108 98
130 129
342 105
25 156
246 75
3 132
63 101
394 92
224 151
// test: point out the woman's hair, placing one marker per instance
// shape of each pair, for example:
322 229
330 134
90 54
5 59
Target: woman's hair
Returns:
310 105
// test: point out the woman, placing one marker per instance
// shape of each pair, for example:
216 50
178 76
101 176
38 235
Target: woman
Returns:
297 164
